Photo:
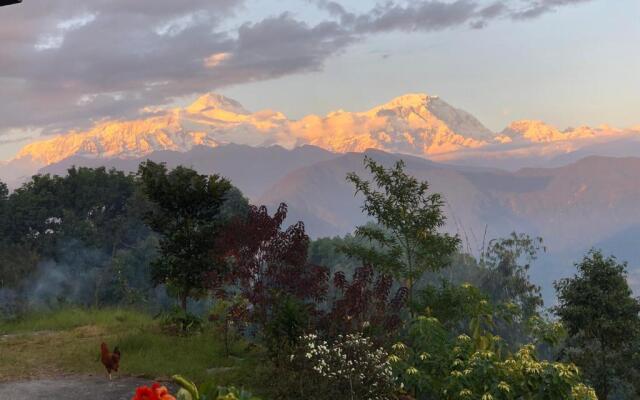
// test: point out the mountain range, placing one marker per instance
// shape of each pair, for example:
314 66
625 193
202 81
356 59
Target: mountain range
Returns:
573 187
413 124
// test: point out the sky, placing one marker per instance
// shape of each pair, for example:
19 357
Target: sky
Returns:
66 64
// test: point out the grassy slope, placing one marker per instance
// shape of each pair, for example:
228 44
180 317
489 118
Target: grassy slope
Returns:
68 342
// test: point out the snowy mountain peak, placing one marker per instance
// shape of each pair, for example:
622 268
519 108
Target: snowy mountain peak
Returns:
214 101
532 131
410 100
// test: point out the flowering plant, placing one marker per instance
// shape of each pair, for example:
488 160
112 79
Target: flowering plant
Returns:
155 392
349 367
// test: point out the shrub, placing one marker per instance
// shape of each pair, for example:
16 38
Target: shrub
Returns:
289 321
179 322
228 316
365 304
436 366
350 367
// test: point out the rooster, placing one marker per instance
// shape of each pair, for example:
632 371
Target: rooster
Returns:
111 361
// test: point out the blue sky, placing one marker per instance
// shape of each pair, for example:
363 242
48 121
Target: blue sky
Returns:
571 64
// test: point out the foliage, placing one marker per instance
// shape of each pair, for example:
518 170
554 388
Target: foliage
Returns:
91 205
62 240
179 322
406 237
349 367
16 262
189 391
328 252
601 317
228 316
186 214
456 307
365 304
267 262
233 393
433 365
500 276
508 261
289 321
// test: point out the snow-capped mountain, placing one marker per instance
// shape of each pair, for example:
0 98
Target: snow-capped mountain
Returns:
540 132
414 124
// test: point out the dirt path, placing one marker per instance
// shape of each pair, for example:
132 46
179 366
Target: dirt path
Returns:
72 388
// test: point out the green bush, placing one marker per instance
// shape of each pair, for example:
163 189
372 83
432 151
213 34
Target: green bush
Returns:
435 366
289 321
179 322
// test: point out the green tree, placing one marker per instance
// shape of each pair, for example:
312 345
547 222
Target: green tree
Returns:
52 223
601 317
328 252
505 279
187 214
507 262
405 241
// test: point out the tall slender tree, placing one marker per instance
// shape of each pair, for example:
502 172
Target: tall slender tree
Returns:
406 241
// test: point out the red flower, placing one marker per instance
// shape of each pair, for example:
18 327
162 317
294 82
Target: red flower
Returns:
155 392
145 393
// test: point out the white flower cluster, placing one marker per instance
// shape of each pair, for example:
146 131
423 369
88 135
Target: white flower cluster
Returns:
351 361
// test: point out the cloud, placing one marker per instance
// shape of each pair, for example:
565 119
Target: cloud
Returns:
216 59
418 16
536 8
67 63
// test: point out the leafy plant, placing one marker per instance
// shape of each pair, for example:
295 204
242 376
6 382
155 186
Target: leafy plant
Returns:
435 366
189 391
405 242
507 262
187 214
177 321
348 367
365 304
267 262
290 320
228 316
601 316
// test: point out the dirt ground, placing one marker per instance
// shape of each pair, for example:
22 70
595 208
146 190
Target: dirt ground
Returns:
72 388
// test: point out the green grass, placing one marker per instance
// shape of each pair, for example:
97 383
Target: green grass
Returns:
70 318
68 342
